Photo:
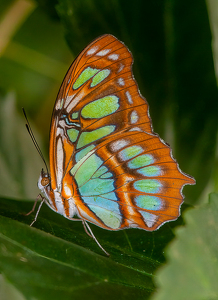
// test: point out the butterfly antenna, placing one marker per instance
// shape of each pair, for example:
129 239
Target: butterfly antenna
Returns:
28 127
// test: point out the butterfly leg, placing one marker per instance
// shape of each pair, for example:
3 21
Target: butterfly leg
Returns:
34 206
85 228
91 234
39 197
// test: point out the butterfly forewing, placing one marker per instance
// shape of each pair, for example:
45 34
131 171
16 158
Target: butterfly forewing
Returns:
107 165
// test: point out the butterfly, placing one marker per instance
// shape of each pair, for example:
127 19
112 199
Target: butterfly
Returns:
107 166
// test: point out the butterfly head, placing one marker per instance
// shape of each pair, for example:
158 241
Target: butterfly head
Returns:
44 183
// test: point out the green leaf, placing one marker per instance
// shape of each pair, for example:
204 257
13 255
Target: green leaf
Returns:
192 269
56 258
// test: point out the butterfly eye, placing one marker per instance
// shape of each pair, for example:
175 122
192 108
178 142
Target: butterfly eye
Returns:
45 181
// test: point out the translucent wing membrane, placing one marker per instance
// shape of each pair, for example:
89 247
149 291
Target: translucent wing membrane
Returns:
107 165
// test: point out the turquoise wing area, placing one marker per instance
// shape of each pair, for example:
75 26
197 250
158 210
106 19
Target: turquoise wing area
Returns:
96 187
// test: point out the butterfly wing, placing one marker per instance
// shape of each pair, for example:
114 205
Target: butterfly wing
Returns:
106 163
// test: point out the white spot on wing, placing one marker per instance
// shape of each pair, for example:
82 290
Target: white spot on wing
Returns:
113 56
149 219
59 104
68 100
120 68
67 190
92 50
60 162
132 224
135 129
121 81
75 101
60 130
103 52
119 144
129 98
134 117
69 80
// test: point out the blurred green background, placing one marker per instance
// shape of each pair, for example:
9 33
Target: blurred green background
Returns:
175 49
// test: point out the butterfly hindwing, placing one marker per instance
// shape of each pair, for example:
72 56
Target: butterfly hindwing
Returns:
130 181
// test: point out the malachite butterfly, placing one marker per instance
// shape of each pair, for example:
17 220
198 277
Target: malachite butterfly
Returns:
107 166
